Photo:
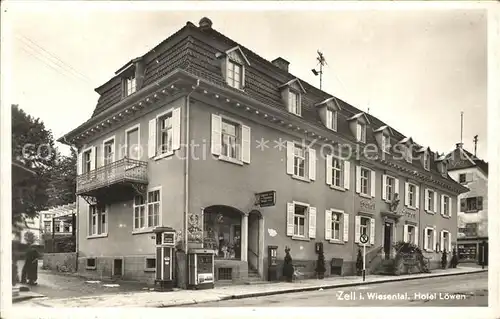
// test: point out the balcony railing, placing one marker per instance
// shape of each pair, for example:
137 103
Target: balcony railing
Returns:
121 171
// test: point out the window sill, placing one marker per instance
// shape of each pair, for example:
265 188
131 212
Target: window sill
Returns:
337 188
300 238
167 154
412 208
446 216
230 160
429 250
90 268
300 178
430 212
365 195
149 269
336 242
97 236
142 231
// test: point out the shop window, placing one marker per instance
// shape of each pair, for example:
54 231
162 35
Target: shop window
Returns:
222 233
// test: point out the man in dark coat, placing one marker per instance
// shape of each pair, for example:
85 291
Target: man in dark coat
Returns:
30 268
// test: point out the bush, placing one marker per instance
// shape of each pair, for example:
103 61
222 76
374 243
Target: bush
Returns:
410 250
359 263
288 266
320 266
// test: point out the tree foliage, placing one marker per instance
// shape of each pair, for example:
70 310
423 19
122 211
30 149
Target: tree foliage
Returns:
29 238
62 186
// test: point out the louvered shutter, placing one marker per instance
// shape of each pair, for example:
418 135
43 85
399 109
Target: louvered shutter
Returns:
329 172
435 203
289 157
357 229
290 209
93 158
176 129
426 239
216 134
463 205
245 144
347 174
434 239
426 199
396 183
441 241
407 198
372 183
416 235
449 242
79 164
312 222
358 179
328 224
384 187
346 227
405 233
312 164
417 196
372 231
442 205
151 139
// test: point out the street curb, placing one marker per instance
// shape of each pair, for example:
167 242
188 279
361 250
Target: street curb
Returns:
24 298
331 286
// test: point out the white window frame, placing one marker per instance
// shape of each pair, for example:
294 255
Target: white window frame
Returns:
331 119
360 132
337 171
237 138
231 81
160 153
127 146
414 197
427 161
340 222
147 206
411 229
304 158
368 181
85 162
130 85
150 206
95 220
367 226
386 143
430 198
113 150
430 239
294 109
305 217
389 187
446 208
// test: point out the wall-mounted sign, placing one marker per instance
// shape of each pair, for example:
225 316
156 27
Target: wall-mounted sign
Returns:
265 199
367 205
408 213
168 238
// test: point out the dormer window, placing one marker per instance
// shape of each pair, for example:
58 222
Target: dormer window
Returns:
233 64
130 84
361 132
291 94
386 143
427 161
383 136
294 103
235 75
331 119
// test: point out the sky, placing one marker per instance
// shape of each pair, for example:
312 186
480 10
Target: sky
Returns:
416 70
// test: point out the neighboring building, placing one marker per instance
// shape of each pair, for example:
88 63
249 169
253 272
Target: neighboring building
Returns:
471 172
245 119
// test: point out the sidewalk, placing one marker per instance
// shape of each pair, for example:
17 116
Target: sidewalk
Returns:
188 297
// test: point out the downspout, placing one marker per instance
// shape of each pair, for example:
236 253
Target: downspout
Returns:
186 170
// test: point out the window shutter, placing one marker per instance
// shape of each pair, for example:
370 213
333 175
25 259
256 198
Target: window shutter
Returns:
358 179
434 237
328 224
290 209
152 139
245 144
289 157
372 231
176 129
312 222
426 240
463 205
345 220
417 196
426 202
416 235
480 203
449 242
79 164
441 241
469 177
357 229
329 173
93 158
406 194
384 185
216 134
442 205
312 164
435 208
347 174
396 186
372 183
405 233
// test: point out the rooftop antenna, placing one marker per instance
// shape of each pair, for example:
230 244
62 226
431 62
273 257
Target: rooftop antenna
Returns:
321 62
461 126
475 145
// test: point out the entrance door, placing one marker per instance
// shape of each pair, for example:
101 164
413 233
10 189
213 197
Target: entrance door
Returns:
117 267
387 240
483 250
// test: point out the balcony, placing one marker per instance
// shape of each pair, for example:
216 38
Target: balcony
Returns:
115 178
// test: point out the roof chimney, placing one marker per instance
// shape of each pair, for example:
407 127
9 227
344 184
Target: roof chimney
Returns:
205 23
281 63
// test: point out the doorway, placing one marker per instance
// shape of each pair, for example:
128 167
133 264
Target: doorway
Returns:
387 239
117 268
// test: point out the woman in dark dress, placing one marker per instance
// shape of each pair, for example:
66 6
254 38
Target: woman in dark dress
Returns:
30 268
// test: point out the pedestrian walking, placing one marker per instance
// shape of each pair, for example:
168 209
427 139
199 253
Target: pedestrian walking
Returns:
30 268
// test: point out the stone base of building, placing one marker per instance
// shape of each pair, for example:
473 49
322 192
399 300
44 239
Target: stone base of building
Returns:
133 268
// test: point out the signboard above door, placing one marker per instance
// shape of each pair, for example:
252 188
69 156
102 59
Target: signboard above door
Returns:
265 199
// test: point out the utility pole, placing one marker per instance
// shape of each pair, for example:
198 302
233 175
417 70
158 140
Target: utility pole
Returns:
475 145
461 126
